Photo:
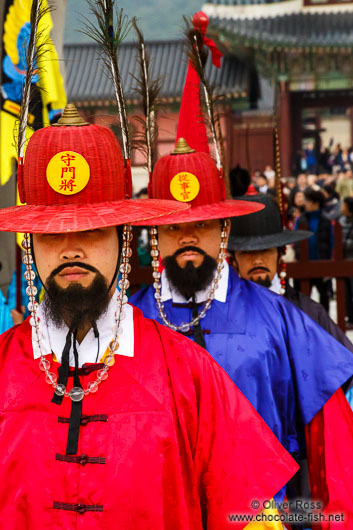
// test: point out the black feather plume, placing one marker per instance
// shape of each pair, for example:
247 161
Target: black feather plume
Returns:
35 49
148 91
109 35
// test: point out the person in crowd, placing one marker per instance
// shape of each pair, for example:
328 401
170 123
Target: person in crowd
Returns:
346 221
300 162
332 203
299 200
301 185
262 185
310 157
321 242
345 184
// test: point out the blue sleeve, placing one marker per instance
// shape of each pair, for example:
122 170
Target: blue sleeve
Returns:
320 364
6 321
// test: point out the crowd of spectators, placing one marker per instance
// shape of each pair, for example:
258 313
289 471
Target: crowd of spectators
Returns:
320 194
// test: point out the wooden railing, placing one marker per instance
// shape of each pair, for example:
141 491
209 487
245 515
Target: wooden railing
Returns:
338 267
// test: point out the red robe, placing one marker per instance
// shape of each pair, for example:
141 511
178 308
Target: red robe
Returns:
169 442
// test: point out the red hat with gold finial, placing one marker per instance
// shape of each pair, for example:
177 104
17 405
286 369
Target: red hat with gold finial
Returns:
189 174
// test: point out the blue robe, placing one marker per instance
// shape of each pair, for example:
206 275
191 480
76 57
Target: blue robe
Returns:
284 363
6 321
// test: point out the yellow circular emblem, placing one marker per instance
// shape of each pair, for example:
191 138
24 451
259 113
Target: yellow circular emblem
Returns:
68 172
184 186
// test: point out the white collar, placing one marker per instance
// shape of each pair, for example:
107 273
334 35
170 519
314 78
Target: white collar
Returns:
169 292
276 284
54 338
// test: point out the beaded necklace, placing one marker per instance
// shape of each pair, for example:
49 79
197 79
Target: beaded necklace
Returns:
185 326
78 393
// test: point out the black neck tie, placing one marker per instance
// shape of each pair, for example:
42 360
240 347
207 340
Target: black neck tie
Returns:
198 335
76 406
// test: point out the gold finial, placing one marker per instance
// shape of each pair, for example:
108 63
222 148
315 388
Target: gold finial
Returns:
70 117
182 148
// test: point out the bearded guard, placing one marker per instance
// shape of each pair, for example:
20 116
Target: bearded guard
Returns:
271 350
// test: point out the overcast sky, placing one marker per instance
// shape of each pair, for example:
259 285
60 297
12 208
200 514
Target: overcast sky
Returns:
158 19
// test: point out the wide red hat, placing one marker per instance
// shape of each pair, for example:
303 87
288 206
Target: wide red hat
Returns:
73 178
191 177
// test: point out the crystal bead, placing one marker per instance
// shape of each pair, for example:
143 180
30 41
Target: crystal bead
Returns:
33 322
127 252
60 390
109 361
92 386
27 259
127 236
282 274
117 330
125 268
102 374
153 231
154 242
184 327
154 253
32 306
157 285
51 378
223 245
124 284
26 243
76 393
124 299
121 316
157 295
156 274
44 364
30 275
155 263
223 234
31 290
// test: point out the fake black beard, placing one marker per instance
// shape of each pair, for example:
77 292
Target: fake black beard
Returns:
190 279
266 282
75 305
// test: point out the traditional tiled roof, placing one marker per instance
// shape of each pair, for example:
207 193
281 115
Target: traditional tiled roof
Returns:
87 80
296 30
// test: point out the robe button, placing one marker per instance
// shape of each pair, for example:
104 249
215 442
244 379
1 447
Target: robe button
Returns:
84 421
83 460
80 508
